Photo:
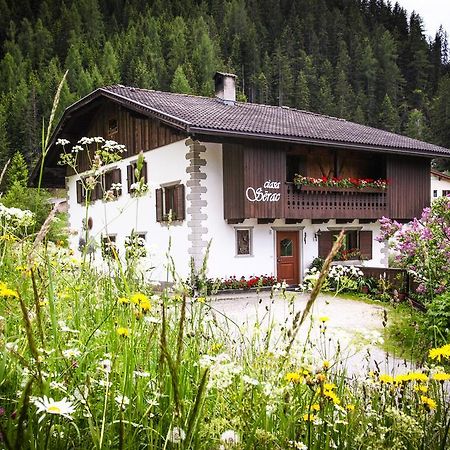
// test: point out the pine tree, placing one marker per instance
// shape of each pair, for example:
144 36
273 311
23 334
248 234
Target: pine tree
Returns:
416 126
440 113
109 65
388 117
4 138
177 44
180 83
302 96
17 172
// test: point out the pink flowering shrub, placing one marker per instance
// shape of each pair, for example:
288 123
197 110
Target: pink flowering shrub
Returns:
422 247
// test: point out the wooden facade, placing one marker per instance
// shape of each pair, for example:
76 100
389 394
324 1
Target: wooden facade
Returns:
248 167
113 121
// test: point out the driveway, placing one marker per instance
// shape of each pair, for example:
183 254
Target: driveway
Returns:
357 326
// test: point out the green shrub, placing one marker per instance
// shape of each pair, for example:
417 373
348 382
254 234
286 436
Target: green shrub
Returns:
436 323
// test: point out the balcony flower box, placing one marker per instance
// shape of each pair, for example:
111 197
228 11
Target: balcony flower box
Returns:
338 189
333 184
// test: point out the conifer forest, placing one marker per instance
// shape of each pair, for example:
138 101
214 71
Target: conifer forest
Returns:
363 60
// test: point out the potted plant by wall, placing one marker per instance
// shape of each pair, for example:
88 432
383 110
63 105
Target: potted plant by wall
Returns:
401 285
367 285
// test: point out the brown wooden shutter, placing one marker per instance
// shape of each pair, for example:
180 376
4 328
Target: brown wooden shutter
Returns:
325 243
144 171
130 169
159 205
79 191
365 244
179 202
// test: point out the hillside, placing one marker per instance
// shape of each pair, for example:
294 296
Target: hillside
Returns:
364 60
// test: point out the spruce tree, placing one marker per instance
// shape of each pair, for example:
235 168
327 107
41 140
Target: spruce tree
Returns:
388 117
180 83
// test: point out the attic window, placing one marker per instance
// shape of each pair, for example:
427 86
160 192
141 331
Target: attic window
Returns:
113 127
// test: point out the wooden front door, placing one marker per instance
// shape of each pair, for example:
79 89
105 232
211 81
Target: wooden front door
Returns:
288 256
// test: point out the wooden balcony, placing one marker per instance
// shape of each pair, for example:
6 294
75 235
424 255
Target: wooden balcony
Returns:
338 203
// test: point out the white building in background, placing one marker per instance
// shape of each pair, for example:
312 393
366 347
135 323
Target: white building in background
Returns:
221 173
440 184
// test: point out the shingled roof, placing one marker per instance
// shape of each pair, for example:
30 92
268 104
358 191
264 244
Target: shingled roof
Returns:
210 116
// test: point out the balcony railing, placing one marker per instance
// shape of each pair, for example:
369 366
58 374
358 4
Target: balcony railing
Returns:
338 203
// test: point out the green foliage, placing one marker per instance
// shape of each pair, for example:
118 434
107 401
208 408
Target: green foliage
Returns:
180 83
17 172
20 196
436 321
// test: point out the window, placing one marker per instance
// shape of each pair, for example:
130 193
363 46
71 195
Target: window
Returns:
113 127
134 176
445 193
244 242
109 248
170 203
295 164
357 244
107 187
435 193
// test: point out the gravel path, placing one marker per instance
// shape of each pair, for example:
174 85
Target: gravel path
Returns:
357 326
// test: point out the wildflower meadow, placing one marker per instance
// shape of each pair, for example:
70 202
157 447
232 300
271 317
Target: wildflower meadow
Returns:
104 359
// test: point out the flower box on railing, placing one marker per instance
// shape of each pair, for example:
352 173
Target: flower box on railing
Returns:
305 188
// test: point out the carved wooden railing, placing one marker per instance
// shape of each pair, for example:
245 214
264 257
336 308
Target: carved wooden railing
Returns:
311 202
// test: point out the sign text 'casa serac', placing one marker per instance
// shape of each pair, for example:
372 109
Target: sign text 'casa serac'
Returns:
265 193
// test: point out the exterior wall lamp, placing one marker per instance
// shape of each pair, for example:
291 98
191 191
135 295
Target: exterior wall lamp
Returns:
317 234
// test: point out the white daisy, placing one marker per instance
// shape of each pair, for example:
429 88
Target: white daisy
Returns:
229 437
46 405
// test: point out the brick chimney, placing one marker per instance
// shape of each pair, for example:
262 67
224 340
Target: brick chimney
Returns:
225 87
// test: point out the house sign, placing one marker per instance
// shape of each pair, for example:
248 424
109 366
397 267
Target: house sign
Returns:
264 193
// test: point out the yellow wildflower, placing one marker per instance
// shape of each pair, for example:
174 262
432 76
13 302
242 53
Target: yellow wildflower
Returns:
315 407
326 365
320 377
5 291
388 379
350 407
332 396
421 388
142 301
309 417
201 299
428 402
8 238
324 319
26 271
216 347
123 300
441 376
329 386
293 377
122 331
440 352
403 378
417 376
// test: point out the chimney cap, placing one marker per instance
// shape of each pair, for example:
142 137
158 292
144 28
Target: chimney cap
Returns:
224 74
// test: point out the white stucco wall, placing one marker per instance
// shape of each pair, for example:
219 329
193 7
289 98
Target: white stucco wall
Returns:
439 184
165 164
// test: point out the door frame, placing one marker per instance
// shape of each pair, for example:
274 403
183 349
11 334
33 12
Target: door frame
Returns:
301 231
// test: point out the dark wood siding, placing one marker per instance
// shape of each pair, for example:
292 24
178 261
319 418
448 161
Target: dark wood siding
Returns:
251 166
365 244
233 181
409 189
135 131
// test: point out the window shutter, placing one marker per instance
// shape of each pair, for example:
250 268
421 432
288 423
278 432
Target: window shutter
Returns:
130 169
159 205
79 191
325 243
144 171
365 244
179 201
